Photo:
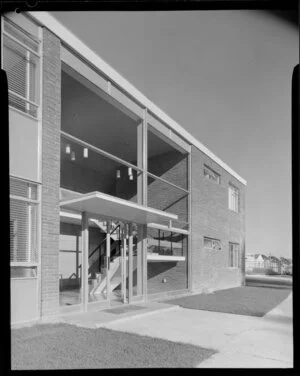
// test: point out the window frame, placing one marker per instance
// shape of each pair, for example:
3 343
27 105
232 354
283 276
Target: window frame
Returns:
233 198
32 203
234 254
211 173
218 241
30 86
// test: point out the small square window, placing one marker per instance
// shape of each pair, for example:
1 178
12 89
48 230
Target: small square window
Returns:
211 174
211 243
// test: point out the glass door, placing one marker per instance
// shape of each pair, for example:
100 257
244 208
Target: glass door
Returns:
115 263
104 275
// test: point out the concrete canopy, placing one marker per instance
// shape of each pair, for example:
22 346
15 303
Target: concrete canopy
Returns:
104 205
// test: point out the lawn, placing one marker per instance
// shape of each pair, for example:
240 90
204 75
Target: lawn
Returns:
245 300
64 346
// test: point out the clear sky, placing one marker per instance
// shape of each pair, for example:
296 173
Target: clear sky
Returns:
225 76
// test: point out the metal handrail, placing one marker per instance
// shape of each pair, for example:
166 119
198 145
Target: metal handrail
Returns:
100 256
99 246
103 240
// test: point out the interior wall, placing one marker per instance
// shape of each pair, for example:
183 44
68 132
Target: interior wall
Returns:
70 251
82 179
170 166
168 275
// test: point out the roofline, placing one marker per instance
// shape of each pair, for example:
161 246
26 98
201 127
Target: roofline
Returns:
51 23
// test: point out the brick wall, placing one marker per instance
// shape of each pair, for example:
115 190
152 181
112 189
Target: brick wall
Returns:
211 217
50 173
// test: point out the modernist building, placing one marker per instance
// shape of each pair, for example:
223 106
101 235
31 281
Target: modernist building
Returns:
111 201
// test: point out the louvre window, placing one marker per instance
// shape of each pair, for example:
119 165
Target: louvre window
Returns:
211 175
22 188
23 222
21 63
234 196
234 255
212 243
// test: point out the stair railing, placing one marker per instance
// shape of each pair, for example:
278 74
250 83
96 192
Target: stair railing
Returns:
99 248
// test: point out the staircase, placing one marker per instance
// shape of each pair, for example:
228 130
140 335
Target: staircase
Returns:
96 261
115 277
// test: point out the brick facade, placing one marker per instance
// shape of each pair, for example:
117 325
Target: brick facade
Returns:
211 217
210 213
50 173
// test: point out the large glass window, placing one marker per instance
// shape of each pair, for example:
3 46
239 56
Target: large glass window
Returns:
84 170
90 115
21 63
168 177
23 228
166 197
166 261
166 159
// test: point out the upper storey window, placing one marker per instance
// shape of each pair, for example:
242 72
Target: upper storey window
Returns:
234 198
211 174
21 61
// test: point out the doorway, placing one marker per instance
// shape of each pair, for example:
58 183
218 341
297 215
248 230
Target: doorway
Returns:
115 265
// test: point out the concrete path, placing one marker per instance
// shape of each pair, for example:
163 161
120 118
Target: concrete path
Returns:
112 315
241 341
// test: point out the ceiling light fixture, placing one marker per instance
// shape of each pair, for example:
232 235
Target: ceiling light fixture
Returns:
85 153
68 149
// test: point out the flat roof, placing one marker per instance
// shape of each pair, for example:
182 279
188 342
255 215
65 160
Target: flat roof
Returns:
98 203
64 34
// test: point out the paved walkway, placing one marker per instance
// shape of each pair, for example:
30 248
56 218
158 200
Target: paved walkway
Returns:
112 315
242 341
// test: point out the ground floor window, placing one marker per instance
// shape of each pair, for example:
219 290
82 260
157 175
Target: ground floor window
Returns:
234 255
211 243
23 228
167 261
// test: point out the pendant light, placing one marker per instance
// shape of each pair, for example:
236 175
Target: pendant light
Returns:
85 153
68 149
73 158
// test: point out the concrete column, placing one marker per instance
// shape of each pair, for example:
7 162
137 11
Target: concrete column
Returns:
139 260
85 260
130 268
144 258
108 226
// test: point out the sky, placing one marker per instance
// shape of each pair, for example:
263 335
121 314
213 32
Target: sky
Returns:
225 76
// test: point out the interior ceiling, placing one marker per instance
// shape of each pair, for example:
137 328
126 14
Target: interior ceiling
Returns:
90 118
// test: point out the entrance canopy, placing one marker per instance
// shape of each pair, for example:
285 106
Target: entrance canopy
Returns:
104 205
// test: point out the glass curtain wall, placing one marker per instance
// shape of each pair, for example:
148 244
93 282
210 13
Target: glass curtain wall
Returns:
168 190
99 142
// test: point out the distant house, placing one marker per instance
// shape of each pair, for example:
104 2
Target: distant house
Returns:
286 265
261 263
273 263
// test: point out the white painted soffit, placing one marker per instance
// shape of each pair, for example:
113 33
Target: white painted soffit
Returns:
47 20
97 203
